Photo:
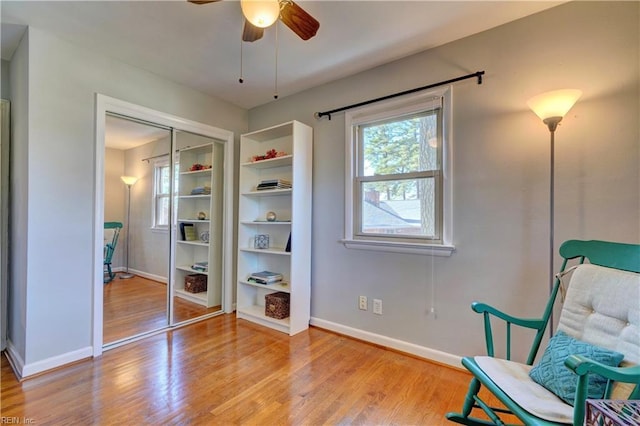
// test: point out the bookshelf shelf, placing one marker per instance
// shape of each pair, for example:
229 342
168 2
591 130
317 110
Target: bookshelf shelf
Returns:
196 172
265 222
285 160
188 269
283 286
256 314
199 196
279 251
293 207
194 220
268 193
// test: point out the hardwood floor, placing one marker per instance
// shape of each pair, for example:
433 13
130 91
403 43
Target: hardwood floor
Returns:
137 305
226 371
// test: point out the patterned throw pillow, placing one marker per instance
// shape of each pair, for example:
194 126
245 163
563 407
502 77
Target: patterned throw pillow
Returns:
551 372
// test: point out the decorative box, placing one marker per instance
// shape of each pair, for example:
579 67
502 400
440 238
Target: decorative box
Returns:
276 305
195 283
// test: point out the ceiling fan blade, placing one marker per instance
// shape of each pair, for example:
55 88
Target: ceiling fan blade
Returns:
202 1
251 32
298 20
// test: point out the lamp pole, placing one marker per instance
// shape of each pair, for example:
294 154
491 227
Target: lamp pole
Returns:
129 181
551 107
552 123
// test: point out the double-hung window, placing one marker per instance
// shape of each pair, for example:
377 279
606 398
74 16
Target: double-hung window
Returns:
162 193
397 194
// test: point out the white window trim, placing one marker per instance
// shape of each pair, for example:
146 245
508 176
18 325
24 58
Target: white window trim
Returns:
401 106
163 162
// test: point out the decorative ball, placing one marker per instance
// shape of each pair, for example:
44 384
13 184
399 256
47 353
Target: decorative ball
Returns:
271 216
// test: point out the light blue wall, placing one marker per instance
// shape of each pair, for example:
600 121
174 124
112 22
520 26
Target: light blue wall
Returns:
56 176
5 93
500 173
18 202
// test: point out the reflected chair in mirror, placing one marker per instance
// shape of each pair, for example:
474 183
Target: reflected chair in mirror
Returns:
594 355
111 234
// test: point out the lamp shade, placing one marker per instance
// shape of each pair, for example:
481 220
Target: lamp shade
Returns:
556 103
129 180
261 13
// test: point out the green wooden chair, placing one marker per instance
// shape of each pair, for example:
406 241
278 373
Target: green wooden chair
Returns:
607 286
111 234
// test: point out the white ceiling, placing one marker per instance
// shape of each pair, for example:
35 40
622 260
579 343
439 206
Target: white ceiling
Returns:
121 133
199 45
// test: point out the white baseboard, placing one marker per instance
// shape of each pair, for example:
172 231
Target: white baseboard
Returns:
389 342
143 274
15 360
23 370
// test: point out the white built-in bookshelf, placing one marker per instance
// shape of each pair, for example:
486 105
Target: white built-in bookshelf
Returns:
292 207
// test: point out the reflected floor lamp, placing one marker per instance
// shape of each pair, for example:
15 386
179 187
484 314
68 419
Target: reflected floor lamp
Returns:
129 181
551 107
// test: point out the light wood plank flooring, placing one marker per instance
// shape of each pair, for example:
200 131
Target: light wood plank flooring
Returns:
227 371
138 305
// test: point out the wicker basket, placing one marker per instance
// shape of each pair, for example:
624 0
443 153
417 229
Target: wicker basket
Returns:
195 283
276 305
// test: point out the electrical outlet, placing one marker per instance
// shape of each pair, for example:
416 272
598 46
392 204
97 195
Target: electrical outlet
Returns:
362 303
377 306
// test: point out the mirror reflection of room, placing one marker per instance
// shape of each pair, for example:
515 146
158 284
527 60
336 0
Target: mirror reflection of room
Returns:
135 294
139 183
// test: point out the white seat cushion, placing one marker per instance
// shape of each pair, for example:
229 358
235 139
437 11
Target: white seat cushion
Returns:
513 378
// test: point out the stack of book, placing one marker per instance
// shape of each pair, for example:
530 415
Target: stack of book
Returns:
265 277
201 190
273 184
200 266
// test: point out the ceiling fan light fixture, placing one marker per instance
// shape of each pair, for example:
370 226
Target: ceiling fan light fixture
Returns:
261 13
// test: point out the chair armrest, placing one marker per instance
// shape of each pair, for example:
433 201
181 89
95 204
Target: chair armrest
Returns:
481 308
487 310
582 365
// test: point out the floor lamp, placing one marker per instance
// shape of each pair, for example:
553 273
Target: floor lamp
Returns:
129 181
551 107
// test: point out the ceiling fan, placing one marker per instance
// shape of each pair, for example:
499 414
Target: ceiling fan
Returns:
260 14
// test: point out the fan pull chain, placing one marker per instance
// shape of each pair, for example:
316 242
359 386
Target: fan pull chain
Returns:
241 79
275 94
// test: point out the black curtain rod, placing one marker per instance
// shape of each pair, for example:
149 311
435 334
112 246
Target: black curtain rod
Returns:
477 74
155 156
162 155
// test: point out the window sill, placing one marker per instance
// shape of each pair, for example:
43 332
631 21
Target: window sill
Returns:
439 250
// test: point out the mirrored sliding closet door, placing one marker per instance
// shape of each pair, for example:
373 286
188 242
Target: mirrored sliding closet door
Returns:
165 236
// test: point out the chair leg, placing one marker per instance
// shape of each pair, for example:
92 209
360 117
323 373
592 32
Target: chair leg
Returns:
469 400
110 274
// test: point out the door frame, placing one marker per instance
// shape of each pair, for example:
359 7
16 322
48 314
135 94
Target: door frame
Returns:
5 108
106 104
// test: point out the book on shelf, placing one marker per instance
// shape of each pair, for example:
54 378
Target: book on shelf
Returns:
273 184
201 190
265 277
200 266
188 232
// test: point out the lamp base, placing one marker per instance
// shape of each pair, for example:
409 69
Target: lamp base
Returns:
125 275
